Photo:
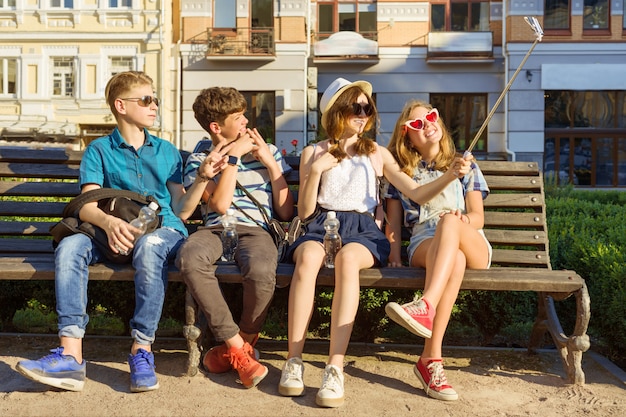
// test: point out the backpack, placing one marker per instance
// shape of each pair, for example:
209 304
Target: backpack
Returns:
119 203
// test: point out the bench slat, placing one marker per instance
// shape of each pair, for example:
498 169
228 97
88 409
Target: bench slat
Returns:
508 257
495 201
41 189
8 245
19 228
32 155
506 220
516 183
31 209
516 237
509 168
30 170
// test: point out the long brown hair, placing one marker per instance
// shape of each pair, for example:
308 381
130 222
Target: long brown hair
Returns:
336 124
407 156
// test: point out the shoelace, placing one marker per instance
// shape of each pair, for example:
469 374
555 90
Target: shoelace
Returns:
240 359
141 361
55 355
437 376
292 371
417 308
331 381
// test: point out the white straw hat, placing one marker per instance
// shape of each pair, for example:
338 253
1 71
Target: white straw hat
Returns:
335 89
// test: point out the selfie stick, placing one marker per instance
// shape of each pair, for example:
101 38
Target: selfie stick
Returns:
536 27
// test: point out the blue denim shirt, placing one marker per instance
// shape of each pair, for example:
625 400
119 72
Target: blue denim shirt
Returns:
111 163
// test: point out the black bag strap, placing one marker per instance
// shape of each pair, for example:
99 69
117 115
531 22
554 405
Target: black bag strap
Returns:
256 203
73 207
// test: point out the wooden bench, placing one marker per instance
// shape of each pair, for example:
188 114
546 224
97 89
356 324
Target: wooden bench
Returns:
515 224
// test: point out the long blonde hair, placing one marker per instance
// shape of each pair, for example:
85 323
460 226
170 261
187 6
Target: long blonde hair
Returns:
336 125
408 157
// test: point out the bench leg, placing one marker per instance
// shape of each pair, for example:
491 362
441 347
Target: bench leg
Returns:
192 333
571 348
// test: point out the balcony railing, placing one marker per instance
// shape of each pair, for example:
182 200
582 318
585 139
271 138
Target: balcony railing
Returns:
460 44
239 41
346 44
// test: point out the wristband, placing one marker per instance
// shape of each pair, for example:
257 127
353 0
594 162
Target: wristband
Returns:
201 177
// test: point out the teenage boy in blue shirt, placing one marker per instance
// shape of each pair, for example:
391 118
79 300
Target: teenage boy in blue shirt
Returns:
130 158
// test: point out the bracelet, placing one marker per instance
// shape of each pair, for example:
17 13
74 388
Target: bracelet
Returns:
202 178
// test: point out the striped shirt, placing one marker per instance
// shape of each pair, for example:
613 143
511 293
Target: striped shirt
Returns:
252 175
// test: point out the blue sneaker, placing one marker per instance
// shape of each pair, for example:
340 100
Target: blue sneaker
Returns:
142 375
58 370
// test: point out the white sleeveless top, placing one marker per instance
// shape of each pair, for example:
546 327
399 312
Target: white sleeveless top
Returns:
350 186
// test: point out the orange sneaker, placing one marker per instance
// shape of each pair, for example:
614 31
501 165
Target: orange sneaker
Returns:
216 359
250 371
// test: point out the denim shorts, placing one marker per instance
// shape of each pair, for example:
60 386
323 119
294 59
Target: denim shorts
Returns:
428 232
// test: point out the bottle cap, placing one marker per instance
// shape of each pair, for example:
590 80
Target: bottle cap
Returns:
230 212
331 215
154 205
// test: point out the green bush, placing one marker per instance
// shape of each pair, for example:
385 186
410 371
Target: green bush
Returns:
588 235
35 318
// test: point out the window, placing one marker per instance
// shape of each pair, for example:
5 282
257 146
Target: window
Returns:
6 4
463 114
586 137
67 4
354 16
8 71
224 15
119 64
459 16
120 3
262 14
556 15
596 14
261 113
63 77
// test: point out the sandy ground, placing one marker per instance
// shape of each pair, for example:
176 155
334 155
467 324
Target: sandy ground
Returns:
379 382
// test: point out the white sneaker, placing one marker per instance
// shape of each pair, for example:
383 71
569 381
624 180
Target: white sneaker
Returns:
331 391
291 383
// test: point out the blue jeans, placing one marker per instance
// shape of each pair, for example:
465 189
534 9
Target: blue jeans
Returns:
153 252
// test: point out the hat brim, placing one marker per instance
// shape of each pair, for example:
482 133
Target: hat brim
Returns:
364 85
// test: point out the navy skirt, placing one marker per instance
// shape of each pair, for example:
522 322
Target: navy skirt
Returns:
353 227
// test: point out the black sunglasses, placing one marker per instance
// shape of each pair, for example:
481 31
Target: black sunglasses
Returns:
357 108
144 101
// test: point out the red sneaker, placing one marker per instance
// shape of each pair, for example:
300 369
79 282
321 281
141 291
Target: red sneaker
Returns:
434 380
250 371
416 316
216 359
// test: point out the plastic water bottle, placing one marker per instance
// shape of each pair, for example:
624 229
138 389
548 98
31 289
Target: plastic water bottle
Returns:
147 214
332 239
229 235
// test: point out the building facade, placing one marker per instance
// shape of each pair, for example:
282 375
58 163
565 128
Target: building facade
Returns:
56 57
565 108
